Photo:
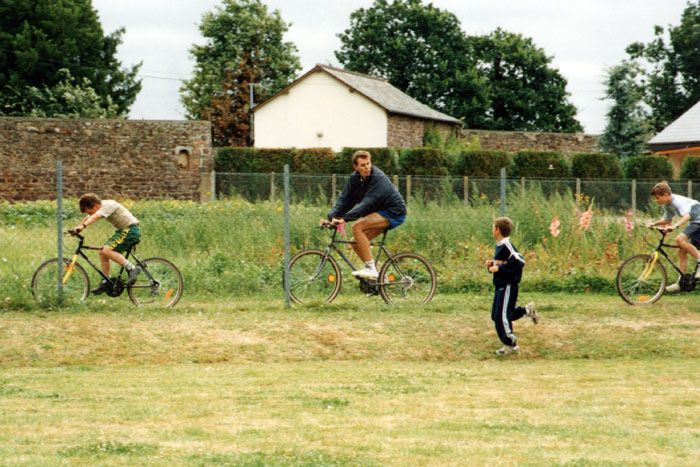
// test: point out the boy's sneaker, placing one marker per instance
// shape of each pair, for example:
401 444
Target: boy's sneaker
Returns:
135 271
366 273
508 350
674 287
697 273
531 309
102 288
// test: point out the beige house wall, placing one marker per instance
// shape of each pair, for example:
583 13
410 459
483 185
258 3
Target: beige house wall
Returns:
319 111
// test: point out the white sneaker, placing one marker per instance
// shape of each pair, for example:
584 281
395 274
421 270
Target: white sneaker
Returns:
532 312
366 273
507 350
673 287
697 273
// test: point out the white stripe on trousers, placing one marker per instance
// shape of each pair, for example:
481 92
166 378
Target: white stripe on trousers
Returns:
504 315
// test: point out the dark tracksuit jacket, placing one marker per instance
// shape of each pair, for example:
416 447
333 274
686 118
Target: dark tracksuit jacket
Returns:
365 196
503 311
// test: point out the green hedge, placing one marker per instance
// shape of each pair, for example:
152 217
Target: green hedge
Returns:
424 161
595 165
532 164
691 168
648 168
485 164
253 160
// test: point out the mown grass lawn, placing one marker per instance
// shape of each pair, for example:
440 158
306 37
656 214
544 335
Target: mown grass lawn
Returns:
353 383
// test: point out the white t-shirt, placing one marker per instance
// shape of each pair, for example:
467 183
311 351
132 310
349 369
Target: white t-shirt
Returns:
116 214
680 206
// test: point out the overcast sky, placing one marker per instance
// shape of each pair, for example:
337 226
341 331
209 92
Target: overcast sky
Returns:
584 37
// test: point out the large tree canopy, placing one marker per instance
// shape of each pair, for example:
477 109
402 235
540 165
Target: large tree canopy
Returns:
501 81
670 71
524 92
40 37
244 45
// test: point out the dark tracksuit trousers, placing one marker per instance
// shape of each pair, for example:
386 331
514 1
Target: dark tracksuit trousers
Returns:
504 312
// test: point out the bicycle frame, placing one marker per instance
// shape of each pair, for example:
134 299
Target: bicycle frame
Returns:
655 254
333 244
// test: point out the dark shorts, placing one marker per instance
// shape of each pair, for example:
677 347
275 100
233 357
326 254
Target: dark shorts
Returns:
394 221
124 239
692 231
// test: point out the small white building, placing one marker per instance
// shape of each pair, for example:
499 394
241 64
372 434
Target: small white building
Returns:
330 107
680 139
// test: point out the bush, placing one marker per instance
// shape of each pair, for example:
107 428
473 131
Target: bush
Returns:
691 168
485 164
253 160
595 165
384 158
424 161
648 168
532 164
315 161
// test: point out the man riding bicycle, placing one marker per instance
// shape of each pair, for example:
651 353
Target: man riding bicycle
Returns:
370 197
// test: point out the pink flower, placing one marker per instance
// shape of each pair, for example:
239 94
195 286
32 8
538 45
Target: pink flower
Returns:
585 221
341 229
628 223
554 227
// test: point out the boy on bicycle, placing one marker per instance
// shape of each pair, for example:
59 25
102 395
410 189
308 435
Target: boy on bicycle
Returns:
126 236
369 196
507 268
689 210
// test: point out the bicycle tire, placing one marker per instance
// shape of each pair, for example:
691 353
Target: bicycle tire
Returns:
45 283
408 278
635 289
159 284
309 284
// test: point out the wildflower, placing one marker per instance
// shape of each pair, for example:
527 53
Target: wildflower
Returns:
554 227
341 229
585 220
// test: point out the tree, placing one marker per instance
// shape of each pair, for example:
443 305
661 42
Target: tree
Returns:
40 37
244 46
670 73
67 99
524 92
419 49
627 128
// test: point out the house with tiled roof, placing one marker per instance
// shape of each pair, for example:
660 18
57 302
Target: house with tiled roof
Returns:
331 107
680 139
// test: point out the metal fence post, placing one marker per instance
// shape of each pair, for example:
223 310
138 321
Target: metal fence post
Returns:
395 179
578 188
522 186
272 187
213 186
465 190
690 188
408 189
503 192
634 199
59 200
286 236
333 189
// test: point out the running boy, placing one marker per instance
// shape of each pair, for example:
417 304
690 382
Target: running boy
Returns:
127 235
507 267
689 210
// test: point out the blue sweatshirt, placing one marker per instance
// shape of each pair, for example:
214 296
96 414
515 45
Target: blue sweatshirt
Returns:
510 264
375 193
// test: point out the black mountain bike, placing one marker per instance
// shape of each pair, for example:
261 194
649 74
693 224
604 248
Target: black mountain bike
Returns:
159 283
404 278
641 279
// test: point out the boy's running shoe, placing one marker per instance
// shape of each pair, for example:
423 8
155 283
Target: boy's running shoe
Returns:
673 287
532 312
102 288
508 350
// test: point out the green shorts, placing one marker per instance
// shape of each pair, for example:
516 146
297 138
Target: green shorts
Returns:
124 239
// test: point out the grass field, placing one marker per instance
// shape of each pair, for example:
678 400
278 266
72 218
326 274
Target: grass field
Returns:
354 383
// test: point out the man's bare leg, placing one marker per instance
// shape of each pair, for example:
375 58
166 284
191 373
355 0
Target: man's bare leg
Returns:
364 231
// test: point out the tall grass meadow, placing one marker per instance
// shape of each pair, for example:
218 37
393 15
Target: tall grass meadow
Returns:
234 248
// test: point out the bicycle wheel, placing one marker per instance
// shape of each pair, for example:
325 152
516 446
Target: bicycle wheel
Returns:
407 278
76 283
641 281
160 283
313 277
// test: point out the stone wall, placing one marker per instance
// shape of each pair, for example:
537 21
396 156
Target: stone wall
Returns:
407 132
113 158
512 141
